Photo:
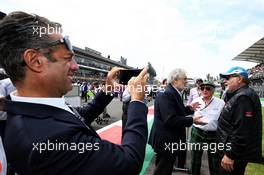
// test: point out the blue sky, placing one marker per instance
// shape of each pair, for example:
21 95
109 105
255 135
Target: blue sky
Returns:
201 36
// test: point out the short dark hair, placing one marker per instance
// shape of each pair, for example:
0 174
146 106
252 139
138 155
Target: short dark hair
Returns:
199 80
17 35
164 81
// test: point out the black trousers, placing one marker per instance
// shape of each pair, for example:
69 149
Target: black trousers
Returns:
181 159
164 164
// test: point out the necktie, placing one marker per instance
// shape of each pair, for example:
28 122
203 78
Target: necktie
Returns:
77 115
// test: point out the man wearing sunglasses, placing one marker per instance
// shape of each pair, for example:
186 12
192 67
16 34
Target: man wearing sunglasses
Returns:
210 109
240 124
44 135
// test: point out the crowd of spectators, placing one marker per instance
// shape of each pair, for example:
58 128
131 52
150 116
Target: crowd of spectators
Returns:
257 78
257 71
258 86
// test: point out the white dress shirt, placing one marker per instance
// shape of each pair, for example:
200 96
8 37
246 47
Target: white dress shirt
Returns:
210 113
55 102
126 96
6 87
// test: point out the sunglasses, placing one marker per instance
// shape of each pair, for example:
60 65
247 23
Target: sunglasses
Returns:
205 88
230 76
65 41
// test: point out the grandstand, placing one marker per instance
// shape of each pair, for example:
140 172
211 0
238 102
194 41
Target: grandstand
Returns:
255 53
93 66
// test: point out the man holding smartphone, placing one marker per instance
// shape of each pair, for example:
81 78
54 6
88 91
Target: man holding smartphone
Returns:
42 68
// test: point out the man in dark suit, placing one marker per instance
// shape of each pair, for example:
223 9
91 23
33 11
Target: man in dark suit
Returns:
170 119
45 136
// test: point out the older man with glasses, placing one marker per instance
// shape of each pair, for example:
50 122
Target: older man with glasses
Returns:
240 124
171 118
204 136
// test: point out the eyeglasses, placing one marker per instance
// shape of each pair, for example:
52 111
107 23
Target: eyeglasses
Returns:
205 88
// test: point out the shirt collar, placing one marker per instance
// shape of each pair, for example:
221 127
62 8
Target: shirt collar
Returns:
56 102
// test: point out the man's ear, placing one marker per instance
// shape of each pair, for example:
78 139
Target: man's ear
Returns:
33 60
240 79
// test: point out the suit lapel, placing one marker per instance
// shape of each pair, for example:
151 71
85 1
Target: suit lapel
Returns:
176 95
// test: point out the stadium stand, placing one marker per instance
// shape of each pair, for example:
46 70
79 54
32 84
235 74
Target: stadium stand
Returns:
255 53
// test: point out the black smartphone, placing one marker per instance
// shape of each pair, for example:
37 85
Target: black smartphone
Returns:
125 75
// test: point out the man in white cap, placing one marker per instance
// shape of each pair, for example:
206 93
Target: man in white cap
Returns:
240 124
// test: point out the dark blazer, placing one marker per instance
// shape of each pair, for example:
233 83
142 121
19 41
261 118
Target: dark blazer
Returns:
169 120
30 125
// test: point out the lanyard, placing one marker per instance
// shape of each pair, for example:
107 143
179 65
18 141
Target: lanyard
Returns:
207 104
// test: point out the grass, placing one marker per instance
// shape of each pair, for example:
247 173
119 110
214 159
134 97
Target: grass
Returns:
255 168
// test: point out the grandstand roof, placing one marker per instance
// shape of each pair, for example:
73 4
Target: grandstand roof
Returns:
254 53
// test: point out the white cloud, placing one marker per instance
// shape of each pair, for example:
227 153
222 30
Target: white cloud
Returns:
154 30
242 40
